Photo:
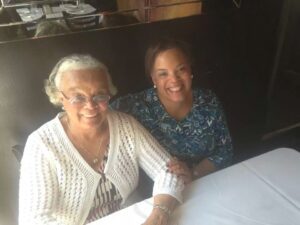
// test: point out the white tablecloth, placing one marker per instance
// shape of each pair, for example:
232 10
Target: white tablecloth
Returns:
264 190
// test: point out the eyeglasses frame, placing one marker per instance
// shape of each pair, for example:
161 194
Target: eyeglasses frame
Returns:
87 99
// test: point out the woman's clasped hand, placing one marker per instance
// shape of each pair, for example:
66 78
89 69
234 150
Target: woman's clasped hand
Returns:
180 169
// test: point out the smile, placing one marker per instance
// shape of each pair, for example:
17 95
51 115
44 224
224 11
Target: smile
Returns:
175 89
90 116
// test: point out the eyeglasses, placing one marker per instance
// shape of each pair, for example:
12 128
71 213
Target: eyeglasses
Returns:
82 100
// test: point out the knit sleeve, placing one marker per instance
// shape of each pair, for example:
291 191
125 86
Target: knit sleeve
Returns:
37 190
153 160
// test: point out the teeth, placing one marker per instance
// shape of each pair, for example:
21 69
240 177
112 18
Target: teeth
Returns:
175 89
89 116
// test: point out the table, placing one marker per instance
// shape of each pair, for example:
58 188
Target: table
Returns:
264 190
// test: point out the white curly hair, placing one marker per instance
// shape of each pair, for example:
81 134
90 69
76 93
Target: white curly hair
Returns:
73 62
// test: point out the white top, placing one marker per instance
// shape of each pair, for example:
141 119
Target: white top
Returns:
57 186
264 190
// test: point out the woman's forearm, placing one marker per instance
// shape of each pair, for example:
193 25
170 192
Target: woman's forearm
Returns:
165 200
163 207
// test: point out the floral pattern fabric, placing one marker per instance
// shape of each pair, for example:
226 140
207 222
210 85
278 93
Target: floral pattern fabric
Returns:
203 133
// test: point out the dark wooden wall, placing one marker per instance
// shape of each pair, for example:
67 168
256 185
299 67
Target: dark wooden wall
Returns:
284 89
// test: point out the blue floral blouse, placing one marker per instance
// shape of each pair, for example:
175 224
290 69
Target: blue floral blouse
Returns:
203 133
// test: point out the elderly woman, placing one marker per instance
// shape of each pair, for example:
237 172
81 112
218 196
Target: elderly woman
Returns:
83 164
188 122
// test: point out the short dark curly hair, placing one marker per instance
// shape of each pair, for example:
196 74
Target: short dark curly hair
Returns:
161 45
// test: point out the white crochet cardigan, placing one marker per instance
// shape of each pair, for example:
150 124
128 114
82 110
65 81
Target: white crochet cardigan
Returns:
57 186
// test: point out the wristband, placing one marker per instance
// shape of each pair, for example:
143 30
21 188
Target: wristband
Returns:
165 209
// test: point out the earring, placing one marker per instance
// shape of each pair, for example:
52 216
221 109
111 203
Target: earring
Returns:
154 86
63 108
192 76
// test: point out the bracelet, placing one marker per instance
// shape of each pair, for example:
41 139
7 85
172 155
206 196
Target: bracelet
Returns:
165 209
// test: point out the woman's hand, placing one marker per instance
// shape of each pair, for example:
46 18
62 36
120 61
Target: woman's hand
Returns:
157 217
180 169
